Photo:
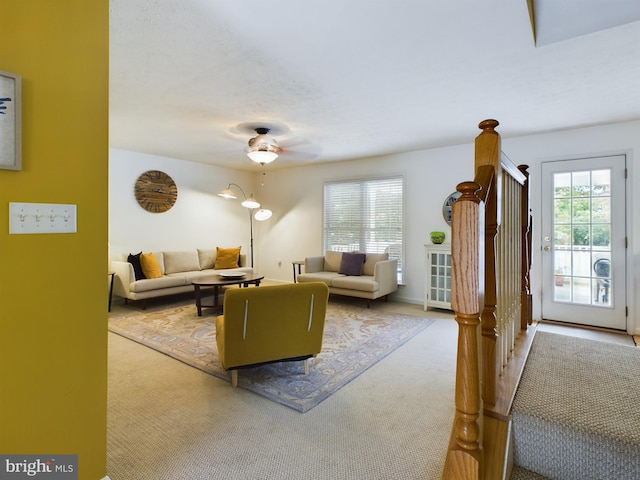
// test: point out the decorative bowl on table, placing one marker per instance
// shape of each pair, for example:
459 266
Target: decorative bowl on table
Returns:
232 275
437 237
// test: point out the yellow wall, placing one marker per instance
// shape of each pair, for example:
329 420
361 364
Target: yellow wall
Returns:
53 288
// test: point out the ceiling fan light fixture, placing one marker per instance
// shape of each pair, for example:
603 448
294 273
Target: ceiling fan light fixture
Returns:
262 156
262 148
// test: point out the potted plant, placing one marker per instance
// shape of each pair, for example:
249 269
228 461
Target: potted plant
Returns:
437 237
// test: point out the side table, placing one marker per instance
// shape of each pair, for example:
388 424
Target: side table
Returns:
111 274
299 263
218 281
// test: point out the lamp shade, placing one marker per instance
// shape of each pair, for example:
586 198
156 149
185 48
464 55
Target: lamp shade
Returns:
227 193
263 214
251 202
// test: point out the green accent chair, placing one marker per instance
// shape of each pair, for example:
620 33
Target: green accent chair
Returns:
269 324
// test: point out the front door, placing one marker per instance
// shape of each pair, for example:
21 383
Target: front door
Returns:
584 241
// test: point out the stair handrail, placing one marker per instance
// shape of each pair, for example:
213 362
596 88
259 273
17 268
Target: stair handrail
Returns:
476 219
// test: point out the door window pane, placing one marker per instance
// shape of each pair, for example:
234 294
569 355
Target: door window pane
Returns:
601 237
562 210
562 185
562 236
601 210
582 237
581 264
580 184
581 210
601 185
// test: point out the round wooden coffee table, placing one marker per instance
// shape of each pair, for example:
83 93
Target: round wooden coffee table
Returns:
217 281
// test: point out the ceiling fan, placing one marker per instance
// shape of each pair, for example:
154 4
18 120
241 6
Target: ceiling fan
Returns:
263 149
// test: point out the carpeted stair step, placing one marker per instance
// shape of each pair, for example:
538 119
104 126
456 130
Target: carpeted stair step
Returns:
520 473
575 414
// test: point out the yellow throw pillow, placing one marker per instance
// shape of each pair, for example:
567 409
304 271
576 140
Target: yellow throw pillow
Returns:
150 266
227 258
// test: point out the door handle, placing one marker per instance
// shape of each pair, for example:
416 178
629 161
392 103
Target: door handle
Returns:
546 248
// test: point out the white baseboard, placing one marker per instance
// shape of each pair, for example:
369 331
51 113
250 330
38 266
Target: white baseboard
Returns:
403 299
273 280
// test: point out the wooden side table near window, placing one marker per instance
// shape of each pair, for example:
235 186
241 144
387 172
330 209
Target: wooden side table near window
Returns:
299 263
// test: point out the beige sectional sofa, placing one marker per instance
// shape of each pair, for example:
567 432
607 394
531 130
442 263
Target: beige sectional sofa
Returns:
378 276
178 269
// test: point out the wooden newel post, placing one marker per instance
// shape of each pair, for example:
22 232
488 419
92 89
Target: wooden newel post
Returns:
487 151
466 289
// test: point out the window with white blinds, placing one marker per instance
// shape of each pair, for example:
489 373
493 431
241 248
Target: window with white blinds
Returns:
365 216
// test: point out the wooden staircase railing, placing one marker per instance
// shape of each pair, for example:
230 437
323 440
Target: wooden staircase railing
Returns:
490 247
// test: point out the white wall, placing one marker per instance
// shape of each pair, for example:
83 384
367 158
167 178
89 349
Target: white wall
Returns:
295 231
621 138
199 219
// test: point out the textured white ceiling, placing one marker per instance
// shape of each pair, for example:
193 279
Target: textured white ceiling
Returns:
346 79
559 20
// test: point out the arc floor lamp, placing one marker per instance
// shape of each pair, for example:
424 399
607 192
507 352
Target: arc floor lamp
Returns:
261 214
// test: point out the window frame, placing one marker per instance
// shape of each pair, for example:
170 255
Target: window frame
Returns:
365 230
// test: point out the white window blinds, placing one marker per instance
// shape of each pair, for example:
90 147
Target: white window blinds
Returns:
365 216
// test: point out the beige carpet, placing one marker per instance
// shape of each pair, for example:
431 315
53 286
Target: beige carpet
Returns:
588 333
171 421
575 415
354 339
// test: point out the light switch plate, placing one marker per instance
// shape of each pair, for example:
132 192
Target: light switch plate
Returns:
41 218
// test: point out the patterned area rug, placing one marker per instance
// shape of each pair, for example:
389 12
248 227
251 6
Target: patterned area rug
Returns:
354 340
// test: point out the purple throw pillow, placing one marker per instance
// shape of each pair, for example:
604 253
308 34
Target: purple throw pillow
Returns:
351 264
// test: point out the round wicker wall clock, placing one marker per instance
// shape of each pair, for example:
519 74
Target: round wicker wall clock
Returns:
155 191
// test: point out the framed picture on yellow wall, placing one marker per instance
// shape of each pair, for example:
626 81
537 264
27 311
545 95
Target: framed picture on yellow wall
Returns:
10 121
